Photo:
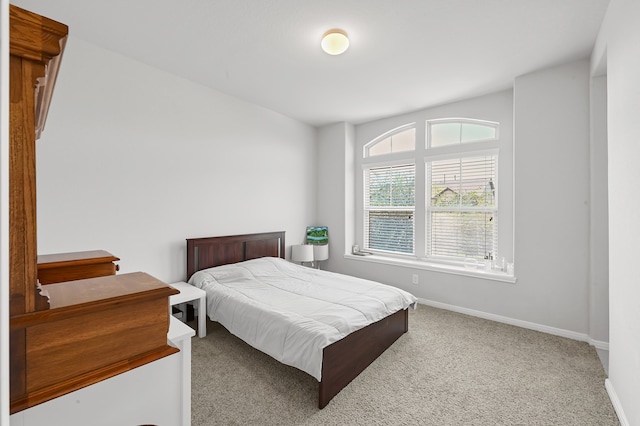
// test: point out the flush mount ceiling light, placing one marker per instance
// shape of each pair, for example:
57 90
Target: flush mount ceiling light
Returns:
335 41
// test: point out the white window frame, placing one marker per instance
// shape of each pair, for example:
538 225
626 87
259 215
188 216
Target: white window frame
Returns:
486 123
390 133
465 153
424 153
378 164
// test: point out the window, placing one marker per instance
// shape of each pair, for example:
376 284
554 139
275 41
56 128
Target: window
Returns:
389 192
457 191
449 132
398 140
462 214
389 208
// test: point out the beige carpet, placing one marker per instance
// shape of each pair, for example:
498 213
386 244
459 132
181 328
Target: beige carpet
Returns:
449 369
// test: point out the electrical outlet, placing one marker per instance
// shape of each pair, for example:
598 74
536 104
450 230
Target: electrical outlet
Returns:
414 278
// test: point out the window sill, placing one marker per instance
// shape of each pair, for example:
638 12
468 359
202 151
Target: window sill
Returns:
447 269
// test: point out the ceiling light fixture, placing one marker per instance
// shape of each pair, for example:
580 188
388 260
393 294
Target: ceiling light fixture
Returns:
335 41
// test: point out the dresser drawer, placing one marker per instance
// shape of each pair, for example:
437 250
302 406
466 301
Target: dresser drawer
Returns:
59 267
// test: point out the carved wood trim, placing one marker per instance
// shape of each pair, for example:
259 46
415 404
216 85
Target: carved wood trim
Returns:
40 40
36 44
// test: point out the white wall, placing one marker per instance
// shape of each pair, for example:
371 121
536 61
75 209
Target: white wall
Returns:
618 43
551 244
599 214
134 160
552 195
335 186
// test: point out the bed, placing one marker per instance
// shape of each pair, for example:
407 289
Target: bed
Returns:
227 267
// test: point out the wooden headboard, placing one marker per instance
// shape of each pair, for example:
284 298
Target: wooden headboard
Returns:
208 252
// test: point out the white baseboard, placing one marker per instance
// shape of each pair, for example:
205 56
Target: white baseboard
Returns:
616 403
519 323
599 344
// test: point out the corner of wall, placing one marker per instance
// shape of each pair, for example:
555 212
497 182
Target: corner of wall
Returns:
335 186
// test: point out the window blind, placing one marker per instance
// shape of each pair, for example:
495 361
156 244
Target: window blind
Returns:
389 206
462 214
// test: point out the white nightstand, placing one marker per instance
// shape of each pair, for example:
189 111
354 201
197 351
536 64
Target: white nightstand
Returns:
187 294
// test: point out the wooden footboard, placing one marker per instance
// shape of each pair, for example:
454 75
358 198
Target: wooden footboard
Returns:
343 360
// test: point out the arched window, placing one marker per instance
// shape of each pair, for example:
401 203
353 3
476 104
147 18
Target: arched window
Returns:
459 162
397 140
389 191
457 131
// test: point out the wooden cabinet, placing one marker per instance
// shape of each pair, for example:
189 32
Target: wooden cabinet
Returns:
94 329
158 393
65 335
55 268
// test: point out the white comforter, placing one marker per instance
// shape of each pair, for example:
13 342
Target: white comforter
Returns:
291 312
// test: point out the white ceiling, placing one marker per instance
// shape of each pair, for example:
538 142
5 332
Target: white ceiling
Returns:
404 54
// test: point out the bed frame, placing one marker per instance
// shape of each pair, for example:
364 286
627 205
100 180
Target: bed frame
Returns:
342 361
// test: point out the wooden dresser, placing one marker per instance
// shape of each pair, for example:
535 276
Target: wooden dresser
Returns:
77 329
55 268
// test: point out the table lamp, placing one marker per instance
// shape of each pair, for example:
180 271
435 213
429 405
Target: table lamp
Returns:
302 253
